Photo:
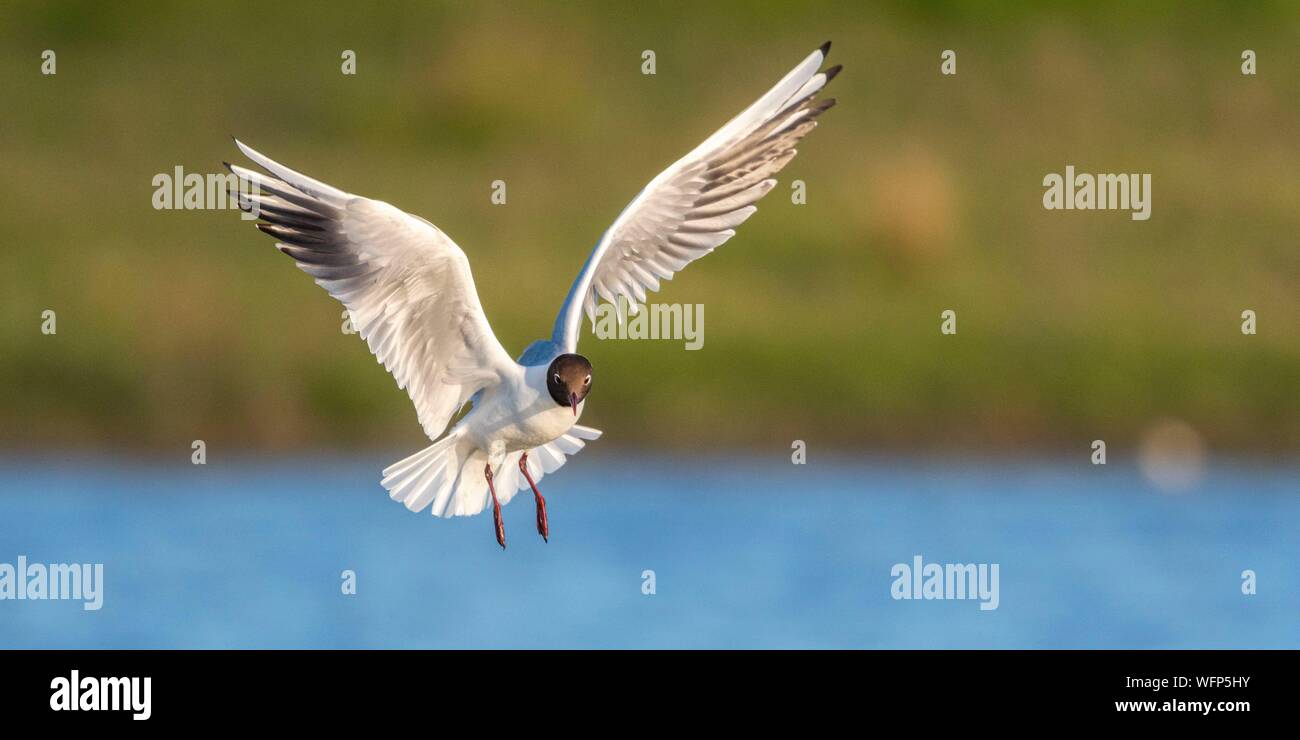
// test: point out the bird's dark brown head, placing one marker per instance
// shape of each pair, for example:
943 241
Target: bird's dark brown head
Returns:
569 380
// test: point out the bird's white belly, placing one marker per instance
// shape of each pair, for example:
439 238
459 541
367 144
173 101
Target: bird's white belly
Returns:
538 429
509 422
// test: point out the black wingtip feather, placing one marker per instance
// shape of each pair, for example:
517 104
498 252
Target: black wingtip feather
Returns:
830 73
821 107
826 48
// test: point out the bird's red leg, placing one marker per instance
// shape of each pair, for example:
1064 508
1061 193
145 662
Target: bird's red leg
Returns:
496 508
542 528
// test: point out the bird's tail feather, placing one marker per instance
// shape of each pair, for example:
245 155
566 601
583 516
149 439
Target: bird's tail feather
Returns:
429 476
542 460
448 475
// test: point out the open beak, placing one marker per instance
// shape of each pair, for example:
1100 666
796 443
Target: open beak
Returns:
573 402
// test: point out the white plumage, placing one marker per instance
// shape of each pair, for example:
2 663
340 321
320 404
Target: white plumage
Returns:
410 294
693 207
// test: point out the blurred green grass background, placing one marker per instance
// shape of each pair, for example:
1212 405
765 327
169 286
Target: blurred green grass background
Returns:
822 320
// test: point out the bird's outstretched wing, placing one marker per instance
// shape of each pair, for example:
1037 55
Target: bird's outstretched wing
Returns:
406 285
692 207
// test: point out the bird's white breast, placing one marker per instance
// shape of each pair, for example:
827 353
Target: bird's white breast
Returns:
519 414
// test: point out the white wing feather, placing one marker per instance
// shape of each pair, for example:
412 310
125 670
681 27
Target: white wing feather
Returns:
692 207
406 285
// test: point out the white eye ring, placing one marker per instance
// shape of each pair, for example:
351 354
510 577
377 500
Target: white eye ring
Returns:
586 380
557 377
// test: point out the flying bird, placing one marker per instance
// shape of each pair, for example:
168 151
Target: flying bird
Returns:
408 290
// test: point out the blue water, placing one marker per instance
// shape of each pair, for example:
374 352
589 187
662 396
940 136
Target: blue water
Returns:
745 553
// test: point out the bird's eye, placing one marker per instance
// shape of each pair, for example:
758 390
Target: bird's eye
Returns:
586 380
557 377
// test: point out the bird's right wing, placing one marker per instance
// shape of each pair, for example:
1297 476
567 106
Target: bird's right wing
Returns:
406 285
692 207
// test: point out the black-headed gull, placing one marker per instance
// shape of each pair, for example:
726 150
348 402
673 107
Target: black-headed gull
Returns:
409 292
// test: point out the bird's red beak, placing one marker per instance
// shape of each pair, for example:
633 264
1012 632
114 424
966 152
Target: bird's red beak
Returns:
573 403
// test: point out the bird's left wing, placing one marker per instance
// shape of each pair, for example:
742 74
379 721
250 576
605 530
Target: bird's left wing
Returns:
692 207
406 285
